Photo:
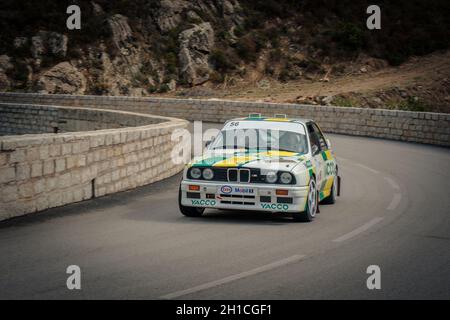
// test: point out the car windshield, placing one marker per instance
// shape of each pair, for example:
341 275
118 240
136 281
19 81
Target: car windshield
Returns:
260 139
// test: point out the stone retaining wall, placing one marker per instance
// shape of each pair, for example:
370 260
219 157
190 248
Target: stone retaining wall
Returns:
421 127
14 119
34 119
42 171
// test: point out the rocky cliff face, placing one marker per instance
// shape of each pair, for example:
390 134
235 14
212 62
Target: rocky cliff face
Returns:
196 44
145 46
62 78
168 43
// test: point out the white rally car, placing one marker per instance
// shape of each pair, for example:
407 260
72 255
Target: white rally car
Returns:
263 164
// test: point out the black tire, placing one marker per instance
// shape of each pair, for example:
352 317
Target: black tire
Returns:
189 211
310 213
331 199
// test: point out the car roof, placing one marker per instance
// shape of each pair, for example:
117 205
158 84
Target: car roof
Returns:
273 119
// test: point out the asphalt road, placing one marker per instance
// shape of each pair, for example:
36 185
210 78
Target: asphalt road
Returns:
394 213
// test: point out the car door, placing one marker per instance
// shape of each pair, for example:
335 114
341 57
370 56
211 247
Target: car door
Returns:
327 162
316 150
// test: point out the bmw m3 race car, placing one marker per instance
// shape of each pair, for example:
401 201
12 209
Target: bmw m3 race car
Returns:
263 164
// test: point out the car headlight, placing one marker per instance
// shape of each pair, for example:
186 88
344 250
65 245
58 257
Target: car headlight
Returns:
196 173
271 177
286 178
208 174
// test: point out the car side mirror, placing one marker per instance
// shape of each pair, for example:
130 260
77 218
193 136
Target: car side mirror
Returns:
329 143
314 149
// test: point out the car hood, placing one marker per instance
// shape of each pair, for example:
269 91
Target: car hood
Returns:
268 160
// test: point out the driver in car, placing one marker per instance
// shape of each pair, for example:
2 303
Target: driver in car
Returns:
290 141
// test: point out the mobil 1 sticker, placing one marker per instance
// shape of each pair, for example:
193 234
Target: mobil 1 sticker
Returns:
236 189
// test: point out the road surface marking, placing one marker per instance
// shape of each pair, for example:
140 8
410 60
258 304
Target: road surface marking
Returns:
395 201
359 230
397 196
235 277
392 183
367 168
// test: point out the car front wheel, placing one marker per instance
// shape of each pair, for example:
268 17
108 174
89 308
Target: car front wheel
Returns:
311 205
331 199
189 211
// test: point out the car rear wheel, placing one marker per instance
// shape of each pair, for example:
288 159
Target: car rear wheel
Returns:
311 205
189 211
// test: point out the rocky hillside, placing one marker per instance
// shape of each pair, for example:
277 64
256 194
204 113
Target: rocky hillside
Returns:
145 47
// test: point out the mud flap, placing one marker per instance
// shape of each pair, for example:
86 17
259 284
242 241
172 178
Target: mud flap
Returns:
339 186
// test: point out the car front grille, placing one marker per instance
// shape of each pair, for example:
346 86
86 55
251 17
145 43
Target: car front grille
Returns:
243 175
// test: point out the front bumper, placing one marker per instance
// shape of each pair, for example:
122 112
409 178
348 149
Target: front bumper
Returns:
240 196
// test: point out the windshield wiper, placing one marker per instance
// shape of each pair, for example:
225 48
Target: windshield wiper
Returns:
281 149
228 147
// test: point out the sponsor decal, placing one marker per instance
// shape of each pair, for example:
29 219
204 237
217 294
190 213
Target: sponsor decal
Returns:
242 158
202 202
226 189
229 189
243 190
330 169
274 206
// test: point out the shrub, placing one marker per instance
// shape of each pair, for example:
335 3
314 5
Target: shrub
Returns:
309 65
412 104
217 77
19 72
289 72
139 79
152 89
276 55
272 35
99 88
164 88
239 31
284 75
342 102
254 20
269 70
220 61
349 36
246 49
395 58
171 63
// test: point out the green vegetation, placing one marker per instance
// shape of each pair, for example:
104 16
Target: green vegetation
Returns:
323 31
217 77
246 49
164 88
349 36
139 79
221 61
412 104
408 28
343 102
19 72
284 75
171 62
99 88
152 89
